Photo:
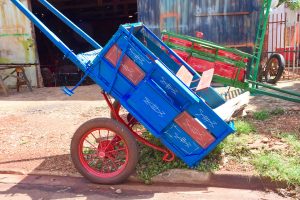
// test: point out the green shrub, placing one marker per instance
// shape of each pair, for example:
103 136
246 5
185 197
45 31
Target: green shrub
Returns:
261 115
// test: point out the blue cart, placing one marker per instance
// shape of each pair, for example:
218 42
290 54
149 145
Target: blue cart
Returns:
171 100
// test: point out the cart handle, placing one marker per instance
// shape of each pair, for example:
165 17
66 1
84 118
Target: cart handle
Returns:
49 34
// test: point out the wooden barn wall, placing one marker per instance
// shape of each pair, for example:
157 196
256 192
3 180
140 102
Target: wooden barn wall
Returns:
228 22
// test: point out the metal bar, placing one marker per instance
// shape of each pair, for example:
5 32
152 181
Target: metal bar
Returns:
49 34
276 33
280 33
289 49
223 14
272 44
263 92
207 43
294 53
298 46
18 64
69 23
276 89
191 70
265 11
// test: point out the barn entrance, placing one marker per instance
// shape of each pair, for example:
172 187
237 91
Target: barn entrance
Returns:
99 18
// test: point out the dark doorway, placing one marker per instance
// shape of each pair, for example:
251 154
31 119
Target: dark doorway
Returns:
99 18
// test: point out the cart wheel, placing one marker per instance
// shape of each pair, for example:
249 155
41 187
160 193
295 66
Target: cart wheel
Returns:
274 68
104 151
123 113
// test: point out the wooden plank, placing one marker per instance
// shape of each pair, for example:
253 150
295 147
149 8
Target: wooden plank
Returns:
185 75
3 86
206 79
128 68
194 129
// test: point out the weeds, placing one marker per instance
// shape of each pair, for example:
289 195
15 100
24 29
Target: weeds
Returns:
277 111
278 167
261 115
281 165
264 115
243 127
292 140
151 163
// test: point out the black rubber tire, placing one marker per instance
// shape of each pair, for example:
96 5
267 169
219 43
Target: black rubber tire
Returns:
280 68
119 129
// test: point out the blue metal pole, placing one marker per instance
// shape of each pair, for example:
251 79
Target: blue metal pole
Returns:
63 47
70 24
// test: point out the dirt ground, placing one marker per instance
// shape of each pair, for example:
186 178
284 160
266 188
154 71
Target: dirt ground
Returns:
36 127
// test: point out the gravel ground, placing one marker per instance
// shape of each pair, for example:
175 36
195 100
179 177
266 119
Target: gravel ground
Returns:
36 128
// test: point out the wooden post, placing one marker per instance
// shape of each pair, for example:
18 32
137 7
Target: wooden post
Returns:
3 86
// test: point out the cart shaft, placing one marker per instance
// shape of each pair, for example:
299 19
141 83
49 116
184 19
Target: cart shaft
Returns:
49 34
69 23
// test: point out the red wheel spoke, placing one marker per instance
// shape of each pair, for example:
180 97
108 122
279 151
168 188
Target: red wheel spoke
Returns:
102 166
109 143
114 164
96 166
116 150
117 142
91 155
100 140
94 137
93 161
120 162
105 157
107 136
90 144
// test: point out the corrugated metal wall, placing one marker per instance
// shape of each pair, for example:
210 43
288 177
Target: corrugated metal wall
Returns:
16 41
228 22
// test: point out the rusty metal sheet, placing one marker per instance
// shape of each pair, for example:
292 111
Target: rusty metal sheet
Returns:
227 22
17 43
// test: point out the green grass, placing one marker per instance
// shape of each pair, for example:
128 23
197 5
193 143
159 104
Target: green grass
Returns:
292 140
151 164
264 115
278 167
277 111
235 146
243 127
261 115
281 165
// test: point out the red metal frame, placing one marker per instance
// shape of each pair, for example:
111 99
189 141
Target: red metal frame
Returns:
168 155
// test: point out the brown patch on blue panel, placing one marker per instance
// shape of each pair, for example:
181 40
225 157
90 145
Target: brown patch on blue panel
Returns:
128 68
113 55
194 129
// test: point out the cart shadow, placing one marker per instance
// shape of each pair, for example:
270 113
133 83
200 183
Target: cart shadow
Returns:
53 178
56 176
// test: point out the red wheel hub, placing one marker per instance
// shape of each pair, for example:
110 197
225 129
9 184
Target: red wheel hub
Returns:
103 153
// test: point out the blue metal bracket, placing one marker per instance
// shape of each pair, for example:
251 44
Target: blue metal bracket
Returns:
70 92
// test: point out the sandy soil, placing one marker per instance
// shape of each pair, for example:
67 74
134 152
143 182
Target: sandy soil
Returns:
36 127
